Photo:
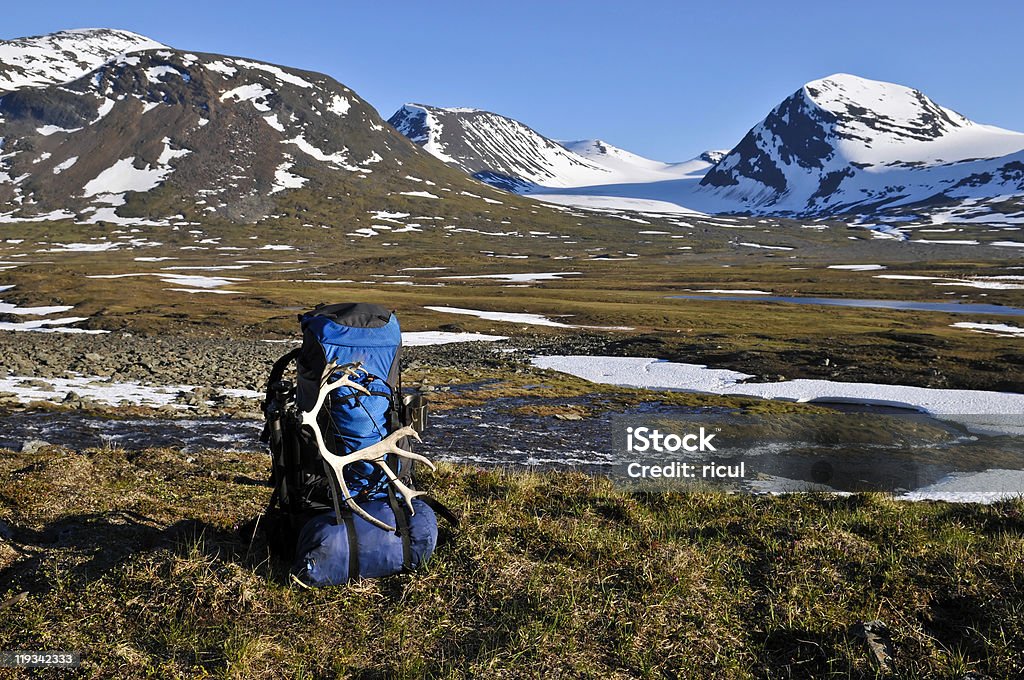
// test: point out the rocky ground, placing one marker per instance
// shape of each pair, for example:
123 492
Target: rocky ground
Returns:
214 364
237 363
210 365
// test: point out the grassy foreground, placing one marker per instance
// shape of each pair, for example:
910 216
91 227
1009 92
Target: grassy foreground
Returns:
132 558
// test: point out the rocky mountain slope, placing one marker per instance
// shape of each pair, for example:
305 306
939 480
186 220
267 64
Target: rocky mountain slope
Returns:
508 154
107 126
499 150
845 144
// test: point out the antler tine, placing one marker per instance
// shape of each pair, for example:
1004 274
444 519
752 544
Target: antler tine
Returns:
347 495
350 370
376 453
404 491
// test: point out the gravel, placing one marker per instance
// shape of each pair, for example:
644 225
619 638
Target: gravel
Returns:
212 364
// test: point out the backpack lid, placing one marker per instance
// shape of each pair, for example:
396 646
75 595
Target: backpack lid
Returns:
350 332
352 314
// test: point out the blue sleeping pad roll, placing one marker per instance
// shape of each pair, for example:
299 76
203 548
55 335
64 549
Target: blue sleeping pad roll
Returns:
323 548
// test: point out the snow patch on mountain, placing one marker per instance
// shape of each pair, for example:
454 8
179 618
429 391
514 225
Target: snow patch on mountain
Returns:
124 176
250 92
64 56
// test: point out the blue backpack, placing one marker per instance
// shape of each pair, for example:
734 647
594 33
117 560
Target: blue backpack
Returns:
337 520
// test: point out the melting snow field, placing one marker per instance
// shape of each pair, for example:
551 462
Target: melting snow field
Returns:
857 267
99 389
972 487
734 292
989 282
1000 329
8 308
424 338
195 283
521 278
103 390
667 375
519 317
982 412
764 247
58 325
616 203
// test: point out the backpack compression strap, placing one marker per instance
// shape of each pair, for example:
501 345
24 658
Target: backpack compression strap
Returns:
401 528
441 509
345 517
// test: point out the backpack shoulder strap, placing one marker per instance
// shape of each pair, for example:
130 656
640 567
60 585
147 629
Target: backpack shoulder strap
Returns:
277 371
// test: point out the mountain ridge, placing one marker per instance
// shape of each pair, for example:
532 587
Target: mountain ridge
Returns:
506 153
155 135
109 125
839 145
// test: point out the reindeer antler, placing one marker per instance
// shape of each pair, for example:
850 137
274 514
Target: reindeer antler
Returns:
374 453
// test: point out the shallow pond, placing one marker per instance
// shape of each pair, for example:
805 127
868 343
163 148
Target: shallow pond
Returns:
949 307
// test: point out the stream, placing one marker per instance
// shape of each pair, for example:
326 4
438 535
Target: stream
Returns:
936 456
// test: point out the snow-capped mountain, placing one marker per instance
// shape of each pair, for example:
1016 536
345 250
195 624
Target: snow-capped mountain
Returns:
841 145
110 126
496 149
845 144
510 155
64 56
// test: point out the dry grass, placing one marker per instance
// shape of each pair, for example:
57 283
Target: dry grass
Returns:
134 560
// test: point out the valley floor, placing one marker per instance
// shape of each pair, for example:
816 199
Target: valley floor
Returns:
131 555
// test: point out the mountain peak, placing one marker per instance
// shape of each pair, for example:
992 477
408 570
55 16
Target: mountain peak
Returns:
882 106
413 107
712 156
64 56
495 149
593 147
100 32
828 145
162 136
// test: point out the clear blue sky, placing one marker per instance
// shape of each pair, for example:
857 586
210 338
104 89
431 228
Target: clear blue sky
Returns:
666 79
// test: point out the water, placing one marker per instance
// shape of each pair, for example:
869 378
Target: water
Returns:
950 307
501 434
78 431
490 435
